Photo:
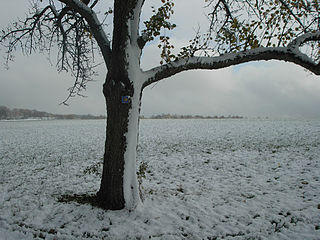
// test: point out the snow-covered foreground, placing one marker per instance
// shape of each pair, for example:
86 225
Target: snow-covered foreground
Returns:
205 179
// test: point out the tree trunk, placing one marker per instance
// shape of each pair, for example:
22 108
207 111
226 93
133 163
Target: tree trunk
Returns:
119 185
119 188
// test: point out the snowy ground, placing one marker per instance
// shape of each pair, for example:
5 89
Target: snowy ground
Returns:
205 179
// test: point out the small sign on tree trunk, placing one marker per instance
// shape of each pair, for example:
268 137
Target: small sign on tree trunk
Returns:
125 99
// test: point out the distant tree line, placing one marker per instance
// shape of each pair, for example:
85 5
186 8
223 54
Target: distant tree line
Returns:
14 114
176 116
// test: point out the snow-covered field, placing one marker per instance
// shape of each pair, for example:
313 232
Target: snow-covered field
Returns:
205 179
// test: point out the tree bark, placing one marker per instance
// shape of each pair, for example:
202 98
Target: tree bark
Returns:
110 195
118 187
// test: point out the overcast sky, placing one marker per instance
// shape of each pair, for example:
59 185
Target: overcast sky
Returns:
265 89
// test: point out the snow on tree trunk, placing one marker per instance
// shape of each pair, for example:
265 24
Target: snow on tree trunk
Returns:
130 182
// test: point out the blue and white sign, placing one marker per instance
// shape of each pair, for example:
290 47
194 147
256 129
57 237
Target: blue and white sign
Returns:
125 99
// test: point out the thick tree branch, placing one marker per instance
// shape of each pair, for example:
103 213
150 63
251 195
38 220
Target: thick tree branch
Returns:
288 54
307 37
95 27
134 22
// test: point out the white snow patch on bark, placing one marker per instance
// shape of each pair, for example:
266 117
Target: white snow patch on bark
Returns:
130 182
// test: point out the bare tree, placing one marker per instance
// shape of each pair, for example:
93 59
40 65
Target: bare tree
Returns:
238 32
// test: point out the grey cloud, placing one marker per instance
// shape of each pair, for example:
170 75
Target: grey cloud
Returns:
272 89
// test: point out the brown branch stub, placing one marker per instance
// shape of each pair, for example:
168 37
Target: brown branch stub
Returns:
141 42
